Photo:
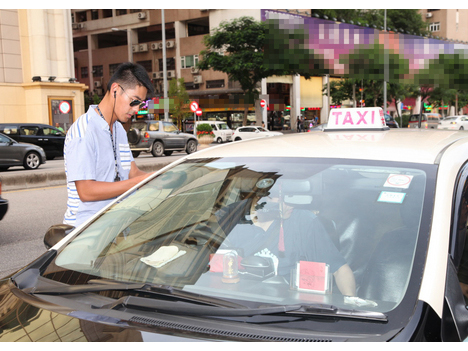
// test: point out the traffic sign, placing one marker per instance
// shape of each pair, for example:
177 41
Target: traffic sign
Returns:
194 106
262 103
64 107
198 112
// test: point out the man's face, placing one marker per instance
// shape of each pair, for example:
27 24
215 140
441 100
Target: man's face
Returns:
270 208
124 97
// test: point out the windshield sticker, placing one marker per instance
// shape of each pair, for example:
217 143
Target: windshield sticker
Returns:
401 181
391 197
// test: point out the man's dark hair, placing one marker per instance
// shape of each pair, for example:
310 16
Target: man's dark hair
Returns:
129 75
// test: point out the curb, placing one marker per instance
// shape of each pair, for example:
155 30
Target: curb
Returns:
31 180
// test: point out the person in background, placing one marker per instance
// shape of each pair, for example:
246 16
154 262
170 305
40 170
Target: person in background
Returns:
98 161
57 125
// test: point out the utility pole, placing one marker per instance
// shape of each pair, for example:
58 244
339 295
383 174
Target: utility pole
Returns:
385 67
166 101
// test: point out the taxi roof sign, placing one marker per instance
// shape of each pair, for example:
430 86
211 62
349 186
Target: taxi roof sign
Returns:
368 118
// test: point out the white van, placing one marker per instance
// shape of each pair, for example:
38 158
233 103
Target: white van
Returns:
221 130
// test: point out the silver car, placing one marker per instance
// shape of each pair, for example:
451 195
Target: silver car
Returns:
13 153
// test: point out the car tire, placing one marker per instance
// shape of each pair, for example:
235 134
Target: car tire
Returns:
134 136
157 149
237 139
219 140
461 128
191 147
168 153
4 169
135 154
32 160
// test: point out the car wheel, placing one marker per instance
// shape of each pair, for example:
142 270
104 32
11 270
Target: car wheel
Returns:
32 160
135 154
158 149
168 153
4 169
134 136
191 146
237 139
461 128
219 140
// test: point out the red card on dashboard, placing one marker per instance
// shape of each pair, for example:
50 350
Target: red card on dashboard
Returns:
312 276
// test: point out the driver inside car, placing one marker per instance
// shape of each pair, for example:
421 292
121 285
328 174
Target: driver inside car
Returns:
289 235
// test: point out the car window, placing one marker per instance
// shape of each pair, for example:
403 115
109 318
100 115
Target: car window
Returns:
52 131
154 126
29 130
140 126
10 130
247 130
333 213
450 118
262 129
415 118
4 139
213 126
169 127
223 126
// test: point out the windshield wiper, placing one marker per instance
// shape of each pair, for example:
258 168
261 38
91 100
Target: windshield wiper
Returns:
183 308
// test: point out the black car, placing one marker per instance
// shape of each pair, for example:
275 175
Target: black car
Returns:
160 138
3 203
390 121
47 137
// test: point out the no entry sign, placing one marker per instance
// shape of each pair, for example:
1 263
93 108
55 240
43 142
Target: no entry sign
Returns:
198 112
262 103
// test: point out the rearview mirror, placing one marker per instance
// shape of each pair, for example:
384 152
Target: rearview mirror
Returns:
56 233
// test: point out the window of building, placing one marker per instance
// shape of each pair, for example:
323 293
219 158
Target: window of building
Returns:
148 65
84 72
198 27
191 86
219 83
113 68
94 14
135 10
434 27
106 13
97 71
80 16
120 12
188 61
170 64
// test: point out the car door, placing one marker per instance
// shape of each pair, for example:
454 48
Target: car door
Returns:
9 154
172 136
464 122
54 139
30 134
248 133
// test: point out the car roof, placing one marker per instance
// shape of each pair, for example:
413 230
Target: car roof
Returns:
403 145
26 124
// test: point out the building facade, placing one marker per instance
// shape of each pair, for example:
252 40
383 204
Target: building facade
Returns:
447 24
37 80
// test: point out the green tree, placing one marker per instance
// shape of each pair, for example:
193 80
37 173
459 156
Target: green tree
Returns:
180 98
236 47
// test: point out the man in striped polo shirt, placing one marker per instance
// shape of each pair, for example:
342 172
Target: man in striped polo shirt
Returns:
98 162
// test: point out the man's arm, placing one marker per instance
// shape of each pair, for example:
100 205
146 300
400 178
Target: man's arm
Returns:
344 278
92 190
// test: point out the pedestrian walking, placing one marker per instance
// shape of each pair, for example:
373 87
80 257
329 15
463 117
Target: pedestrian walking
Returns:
98 161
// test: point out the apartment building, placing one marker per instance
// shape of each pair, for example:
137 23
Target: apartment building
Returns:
450 24
36 67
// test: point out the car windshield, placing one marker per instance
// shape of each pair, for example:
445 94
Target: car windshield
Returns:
262 129
450 118
223 126
264 230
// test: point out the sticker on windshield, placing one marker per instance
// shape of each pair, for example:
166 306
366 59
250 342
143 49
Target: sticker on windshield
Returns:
401 181
391 197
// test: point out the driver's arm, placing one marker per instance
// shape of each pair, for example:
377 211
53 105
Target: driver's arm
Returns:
344 278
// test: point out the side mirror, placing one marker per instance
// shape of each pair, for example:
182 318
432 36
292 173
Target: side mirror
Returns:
56 233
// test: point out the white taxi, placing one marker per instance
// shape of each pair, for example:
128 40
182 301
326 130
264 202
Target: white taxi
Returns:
454 123
353 233
252 132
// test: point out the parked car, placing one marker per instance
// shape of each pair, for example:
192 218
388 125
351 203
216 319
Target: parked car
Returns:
428 120
454 123
3 203
13 153
246 242
221 130
390 121
160 138
253 132
47 137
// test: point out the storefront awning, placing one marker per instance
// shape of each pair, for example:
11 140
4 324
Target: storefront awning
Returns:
280 79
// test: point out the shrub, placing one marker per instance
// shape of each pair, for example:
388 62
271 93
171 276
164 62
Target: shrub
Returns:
204 129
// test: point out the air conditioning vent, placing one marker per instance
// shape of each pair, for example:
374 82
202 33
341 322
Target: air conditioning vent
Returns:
141 15
97 84
428 15
154 46
170 74
143 47
135 48
161 75
160 45
170 44
197 79
194 70
155 75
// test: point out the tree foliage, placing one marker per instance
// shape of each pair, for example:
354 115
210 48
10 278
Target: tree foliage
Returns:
180 98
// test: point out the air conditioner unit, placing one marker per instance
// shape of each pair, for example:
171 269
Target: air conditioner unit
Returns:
143 47
155 75
154 46
135 48
160 45
170 74
97 84
428 15
170 44
197 79
141 15
194 70
161 75
78 25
